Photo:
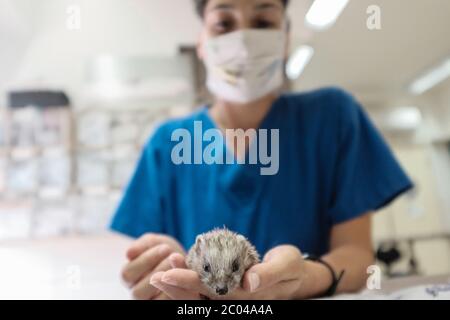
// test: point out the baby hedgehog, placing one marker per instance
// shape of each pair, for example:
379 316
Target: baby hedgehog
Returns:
221 257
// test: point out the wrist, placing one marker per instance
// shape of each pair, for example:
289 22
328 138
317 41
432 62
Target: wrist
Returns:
316 280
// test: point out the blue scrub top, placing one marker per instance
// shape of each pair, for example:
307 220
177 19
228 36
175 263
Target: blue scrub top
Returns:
333 167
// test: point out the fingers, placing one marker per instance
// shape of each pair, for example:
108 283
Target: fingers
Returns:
178 285
142 244
184 279
145 263
172 291
162 296
284 290
280 264
143 290
282 252
263 275
177 261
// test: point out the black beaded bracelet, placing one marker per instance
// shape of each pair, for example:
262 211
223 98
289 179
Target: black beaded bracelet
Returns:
336 278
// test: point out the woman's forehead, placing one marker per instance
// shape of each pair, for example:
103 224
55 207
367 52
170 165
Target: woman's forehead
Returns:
237 5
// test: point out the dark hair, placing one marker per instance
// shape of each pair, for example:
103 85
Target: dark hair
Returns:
201 4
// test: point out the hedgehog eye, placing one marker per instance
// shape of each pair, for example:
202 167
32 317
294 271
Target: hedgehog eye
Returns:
235 266
207 267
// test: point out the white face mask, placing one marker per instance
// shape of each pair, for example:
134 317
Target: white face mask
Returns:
245 65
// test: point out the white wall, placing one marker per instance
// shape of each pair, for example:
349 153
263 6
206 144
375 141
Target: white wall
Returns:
56 55
17 22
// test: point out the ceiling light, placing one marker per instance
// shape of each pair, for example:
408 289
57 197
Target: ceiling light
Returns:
298 62
324 13
404 118
431 78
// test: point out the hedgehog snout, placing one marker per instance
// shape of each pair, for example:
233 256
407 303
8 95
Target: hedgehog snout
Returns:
222 290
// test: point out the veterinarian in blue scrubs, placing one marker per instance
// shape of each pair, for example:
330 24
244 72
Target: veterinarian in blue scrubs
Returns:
331 169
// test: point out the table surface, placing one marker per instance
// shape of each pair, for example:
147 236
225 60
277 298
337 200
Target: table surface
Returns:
88 267
78 267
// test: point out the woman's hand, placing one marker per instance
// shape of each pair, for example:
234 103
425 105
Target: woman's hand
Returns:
148 255
278 277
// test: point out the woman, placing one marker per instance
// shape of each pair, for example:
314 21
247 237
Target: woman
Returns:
332 170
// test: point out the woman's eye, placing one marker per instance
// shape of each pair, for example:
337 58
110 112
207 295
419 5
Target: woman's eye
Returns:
263 24
235 266
224 25
207 268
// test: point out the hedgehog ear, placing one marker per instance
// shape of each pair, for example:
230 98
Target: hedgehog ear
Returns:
198 244
252 257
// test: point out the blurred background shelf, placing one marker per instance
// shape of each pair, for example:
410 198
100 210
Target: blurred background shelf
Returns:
64 167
